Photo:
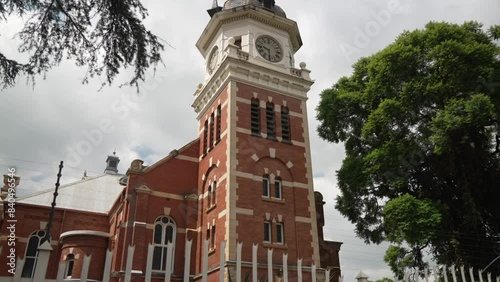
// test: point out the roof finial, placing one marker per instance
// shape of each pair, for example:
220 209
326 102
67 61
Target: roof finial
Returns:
84 175
114 152
215 8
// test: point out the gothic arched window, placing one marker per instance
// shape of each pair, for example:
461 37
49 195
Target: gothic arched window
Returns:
164 233
31 255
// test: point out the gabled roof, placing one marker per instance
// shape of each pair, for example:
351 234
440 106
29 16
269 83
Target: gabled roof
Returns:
93 194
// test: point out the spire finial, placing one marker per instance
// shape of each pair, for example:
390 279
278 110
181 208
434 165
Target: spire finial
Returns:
215 8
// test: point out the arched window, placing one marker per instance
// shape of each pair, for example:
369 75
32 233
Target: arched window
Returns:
164 233
285 124
31 256
255 116
205 137
211 194
219 120
270 122
70 263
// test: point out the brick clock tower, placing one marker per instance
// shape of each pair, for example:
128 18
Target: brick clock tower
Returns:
255 160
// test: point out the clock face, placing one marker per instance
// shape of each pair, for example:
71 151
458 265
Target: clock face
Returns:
269 48
212 61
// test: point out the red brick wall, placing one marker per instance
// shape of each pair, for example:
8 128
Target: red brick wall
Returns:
28 220
295 202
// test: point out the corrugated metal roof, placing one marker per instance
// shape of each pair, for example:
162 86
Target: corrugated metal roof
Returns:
93 194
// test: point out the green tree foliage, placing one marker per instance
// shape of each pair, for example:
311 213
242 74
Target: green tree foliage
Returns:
420 124
411 222
105 36
385 279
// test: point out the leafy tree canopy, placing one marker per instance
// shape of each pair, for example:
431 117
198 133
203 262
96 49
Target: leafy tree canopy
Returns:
105 36
420 124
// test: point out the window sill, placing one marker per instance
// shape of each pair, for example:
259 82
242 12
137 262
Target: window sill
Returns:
209 209
211 251
274 245
287 142
256 134
273 200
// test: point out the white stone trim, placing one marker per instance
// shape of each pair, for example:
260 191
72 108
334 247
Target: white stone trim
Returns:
272 153
167 195
309 176
283 183
303 219
85 233
244 211
187 158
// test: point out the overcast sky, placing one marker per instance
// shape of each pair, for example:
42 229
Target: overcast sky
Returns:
48 123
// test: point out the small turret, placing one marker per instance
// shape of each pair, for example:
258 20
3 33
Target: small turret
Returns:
112 164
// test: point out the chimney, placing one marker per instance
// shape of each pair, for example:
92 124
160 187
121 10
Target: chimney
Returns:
9 183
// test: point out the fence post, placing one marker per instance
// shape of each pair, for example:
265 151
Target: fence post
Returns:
43 261
299 270
149 263
313 272
204 269
168 267
254 262
130 259
270 265
462 272
453 273
327 275
85 268
19 265
238 262
471 273
222 261
107 266
480 275
285 267
187 260
60 271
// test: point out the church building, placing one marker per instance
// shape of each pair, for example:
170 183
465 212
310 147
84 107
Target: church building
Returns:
236 202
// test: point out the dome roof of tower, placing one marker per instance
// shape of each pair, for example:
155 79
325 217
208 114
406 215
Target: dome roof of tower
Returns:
230 4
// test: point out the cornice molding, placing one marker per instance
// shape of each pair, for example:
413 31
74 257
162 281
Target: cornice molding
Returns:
236 67
252 13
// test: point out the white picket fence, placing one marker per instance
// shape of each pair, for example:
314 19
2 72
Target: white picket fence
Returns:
446 274
299 269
